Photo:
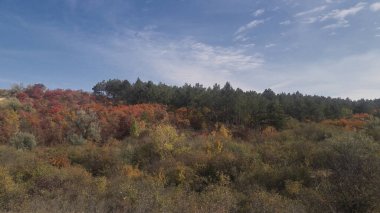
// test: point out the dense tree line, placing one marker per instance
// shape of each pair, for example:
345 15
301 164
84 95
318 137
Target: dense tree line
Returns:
235 106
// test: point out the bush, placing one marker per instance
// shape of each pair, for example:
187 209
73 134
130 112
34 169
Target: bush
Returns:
7 188
166 138
354 165
263 201
76 139
23 140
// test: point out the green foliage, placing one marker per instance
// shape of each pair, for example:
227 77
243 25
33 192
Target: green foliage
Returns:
87 124
97 161
23 140
373 129
76 139
229 105
354 163
137 128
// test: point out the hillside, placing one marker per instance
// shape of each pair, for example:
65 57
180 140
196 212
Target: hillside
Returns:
145 147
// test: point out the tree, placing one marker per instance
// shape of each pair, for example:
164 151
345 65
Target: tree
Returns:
9 124
23 140
87 125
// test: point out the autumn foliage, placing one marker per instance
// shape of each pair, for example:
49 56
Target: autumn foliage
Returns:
73 151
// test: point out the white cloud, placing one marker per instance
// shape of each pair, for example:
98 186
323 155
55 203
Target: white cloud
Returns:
177 62
310 16
342 14
249 26
339 24
241 38
333 1
310 20
314 10
354 76
339 16
180 61
270 45
375 6
259 12
286 22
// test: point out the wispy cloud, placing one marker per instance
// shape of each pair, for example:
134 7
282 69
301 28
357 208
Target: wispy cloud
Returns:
340 16
286 22
258 12
375 6
310 20
340 24
344 13
249 26
179 61
333 1
94 39
308 12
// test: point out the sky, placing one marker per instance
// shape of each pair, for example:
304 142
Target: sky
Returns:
316 47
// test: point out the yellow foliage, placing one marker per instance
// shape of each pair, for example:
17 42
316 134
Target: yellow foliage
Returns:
218 146
161 176
101 184
293 187
166 137
181 174
208 148
6 182
165 134
132 172
9 124
269 131
214 146
224 132
221 132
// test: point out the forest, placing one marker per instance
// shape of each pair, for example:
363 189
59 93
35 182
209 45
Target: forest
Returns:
146 147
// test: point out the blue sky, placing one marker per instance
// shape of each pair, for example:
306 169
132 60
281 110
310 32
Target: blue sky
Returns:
323 47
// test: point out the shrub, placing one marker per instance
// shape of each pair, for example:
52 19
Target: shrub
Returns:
12 195
76 139
166 138
136 128
23 140
7 187
353 185
262 201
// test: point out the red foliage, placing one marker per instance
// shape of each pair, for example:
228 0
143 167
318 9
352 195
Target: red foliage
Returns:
361 116
52 114
357 121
